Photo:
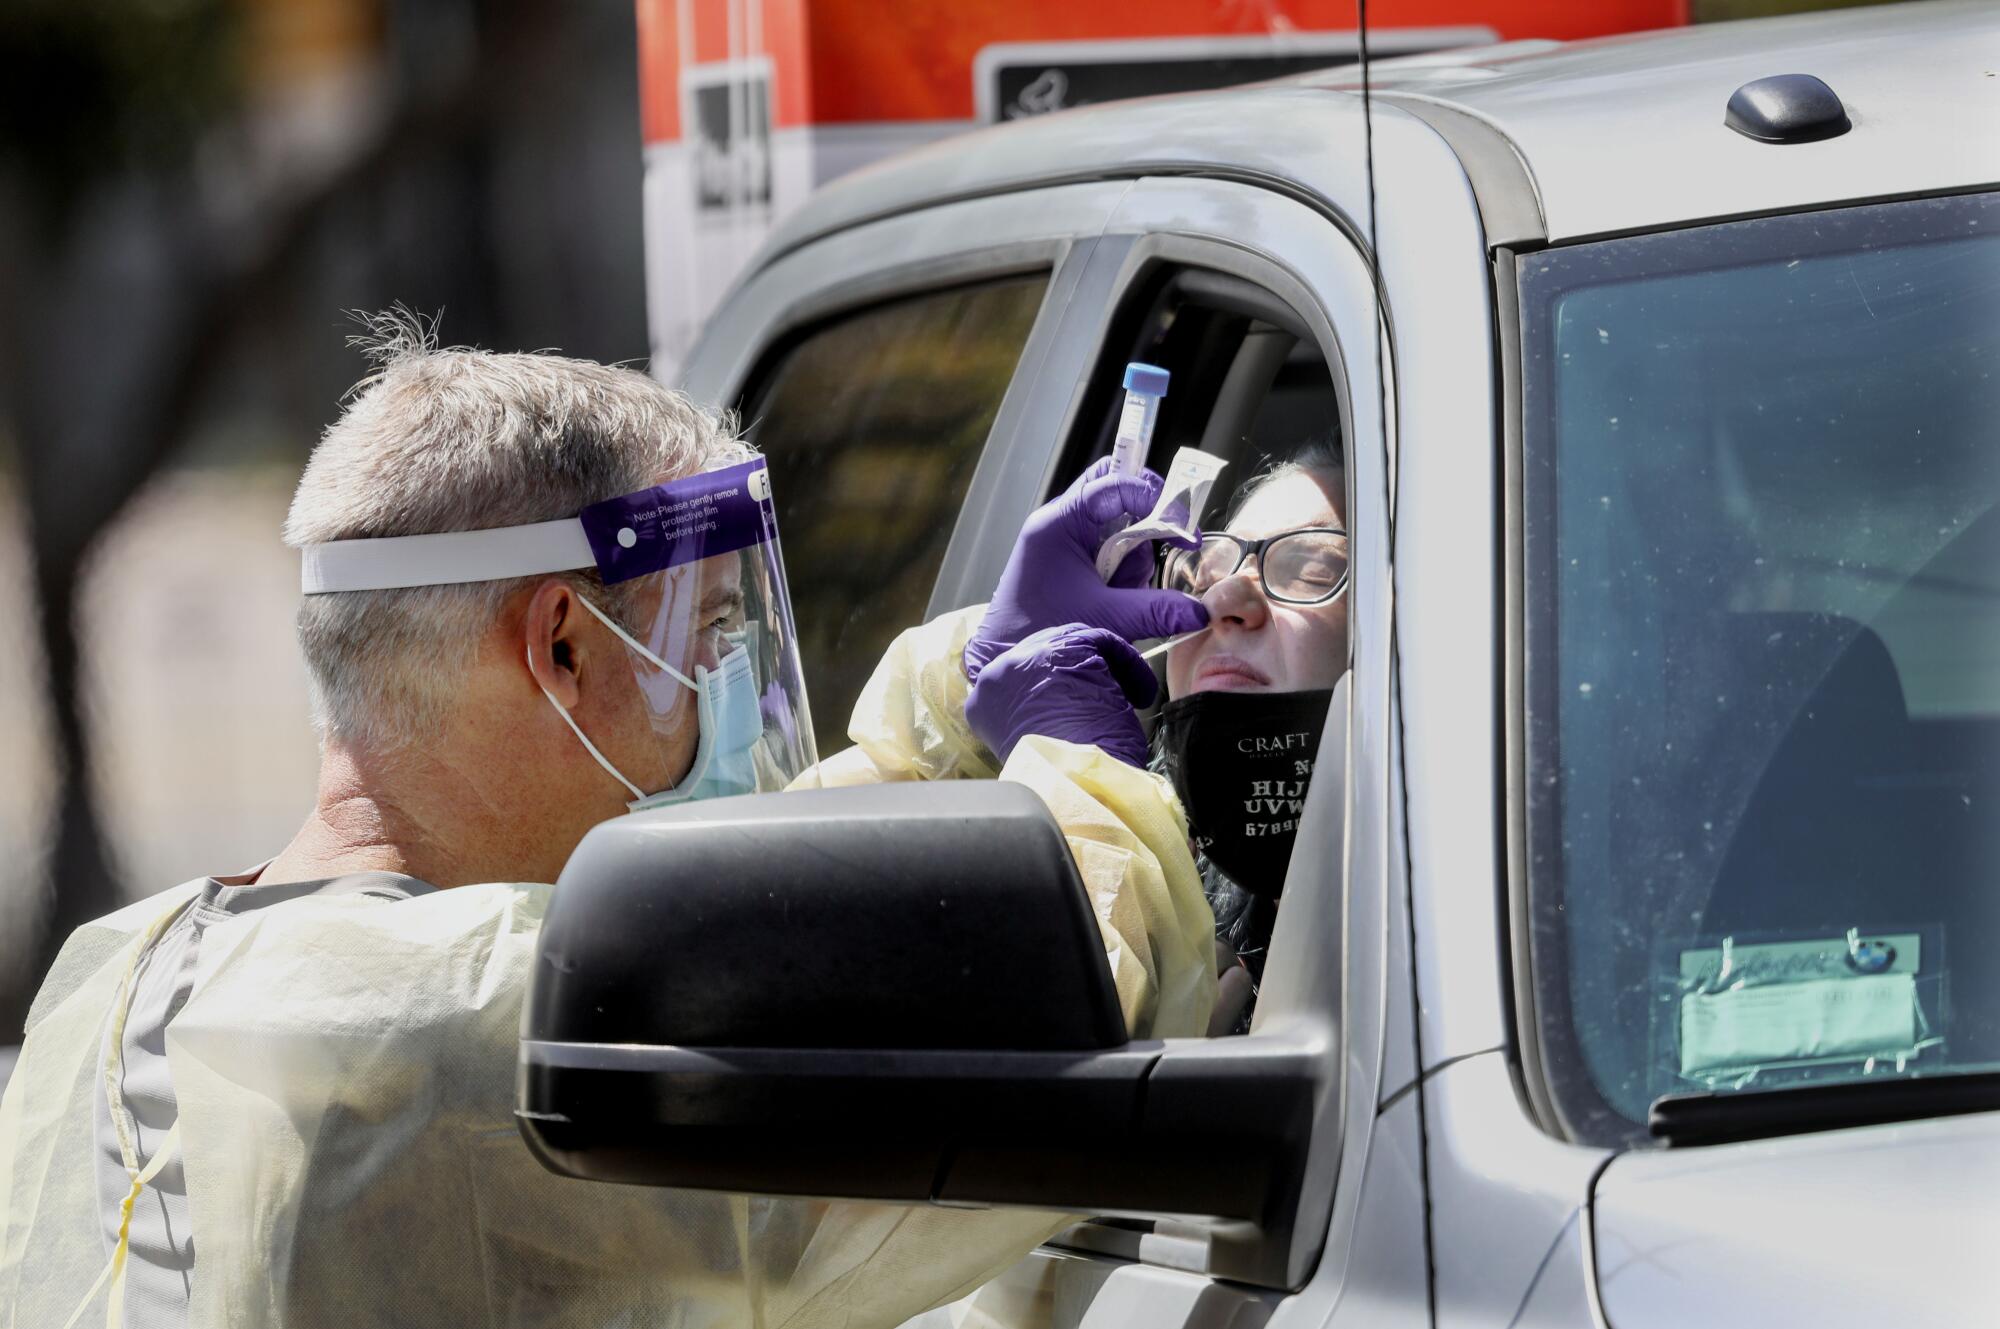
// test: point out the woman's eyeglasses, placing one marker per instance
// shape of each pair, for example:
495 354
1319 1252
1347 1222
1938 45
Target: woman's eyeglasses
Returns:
1303 567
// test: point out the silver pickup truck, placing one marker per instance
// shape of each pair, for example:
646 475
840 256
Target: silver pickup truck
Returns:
1639 963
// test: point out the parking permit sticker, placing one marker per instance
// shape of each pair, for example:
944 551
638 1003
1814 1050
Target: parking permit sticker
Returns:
1791 1003
1822 1019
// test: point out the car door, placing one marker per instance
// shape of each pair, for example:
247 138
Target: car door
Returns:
864 376
1267 302
1260 307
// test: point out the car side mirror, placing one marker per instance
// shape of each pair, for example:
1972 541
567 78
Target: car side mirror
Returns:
893 992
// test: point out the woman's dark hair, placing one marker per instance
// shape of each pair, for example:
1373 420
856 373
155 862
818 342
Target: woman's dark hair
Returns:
1320 456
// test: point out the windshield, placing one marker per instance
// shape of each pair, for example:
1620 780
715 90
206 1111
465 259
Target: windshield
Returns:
1762 662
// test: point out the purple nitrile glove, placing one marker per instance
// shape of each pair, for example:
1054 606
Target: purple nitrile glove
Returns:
1072 682
1051 577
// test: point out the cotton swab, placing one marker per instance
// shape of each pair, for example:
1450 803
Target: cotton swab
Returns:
1170 643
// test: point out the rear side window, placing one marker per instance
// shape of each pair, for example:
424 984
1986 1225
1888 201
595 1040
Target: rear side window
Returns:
873 423
1763 654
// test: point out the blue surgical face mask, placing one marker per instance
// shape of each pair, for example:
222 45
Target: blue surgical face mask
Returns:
726 710
724 755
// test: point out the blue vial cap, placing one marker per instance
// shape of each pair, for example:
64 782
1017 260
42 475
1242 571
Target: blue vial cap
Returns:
1149 379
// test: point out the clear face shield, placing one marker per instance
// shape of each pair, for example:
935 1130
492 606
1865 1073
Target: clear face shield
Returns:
717 668
698 598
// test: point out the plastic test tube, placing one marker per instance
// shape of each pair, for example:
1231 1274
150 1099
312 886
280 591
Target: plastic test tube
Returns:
1144 386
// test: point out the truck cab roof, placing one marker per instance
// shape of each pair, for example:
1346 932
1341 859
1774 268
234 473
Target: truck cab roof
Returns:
1559 142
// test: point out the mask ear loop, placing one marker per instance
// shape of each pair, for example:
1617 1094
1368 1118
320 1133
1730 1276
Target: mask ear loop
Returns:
582 737
570 720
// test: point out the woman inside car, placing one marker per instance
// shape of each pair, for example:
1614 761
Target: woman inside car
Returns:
1249 698
1249 691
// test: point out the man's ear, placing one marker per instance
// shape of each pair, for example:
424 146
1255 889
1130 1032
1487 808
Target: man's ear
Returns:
549 630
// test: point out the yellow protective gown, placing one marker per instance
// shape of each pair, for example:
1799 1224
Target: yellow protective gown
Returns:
344 1070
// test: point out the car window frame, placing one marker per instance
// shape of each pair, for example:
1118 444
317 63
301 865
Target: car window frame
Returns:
1556 1108
1153 230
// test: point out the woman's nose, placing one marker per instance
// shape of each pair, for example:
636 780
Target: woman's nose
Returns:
1238 600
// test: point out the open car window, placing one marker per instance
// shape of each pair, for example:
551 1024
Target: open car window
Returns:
1250 387
1763 655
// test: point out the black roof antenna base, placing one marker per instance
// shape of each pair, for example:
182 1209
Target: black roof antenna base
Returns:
1787 108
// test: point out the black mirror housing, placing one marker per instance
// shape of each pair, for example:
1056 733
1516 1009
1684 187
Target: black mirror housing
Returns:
947 915
725 993
892 992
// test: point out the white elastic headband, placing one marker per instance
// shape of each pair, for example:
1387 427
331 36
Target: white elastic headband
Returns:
452 558
447 559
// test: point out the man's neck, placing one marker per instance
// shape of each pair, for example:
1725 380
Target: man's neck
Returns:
376 813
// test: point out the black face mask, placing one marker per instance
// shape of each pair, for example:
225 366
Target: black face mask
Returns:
1241 763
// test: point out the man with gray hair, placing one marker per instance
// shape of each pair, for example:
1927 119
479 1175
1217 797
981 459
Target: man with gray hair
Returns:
540 593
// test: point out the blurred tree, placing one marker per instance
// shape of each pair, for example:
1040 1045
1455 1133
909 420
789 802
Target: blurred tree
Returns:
104 107
143 220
